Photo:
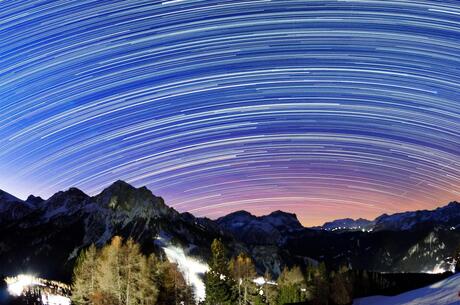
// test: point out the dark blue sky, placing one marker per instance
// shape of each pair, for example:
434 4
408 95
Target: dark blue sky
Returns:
324 108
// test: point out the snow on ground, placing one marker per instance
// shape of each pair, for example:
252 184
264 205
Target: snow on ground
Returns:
53 299
260 281
191 268
442 293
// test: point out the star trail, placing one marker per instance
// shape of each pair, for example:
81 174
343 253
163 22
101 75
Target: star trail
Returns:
328 109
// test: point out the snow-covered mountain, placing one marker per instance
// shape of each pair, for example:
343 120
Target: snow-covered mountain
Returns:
447 216
268 229
445 292
46 236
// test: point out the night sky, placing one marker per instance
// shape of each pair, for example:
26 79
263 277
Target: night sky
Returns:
328 109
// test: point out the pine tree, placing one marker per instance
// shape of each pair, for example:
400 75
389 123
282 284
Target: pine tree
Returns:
363 283
220 286
270 291
457 259
319 285
148 289
118 274
340 294
110 271
243 271
132 260
84 277
291 282
174 289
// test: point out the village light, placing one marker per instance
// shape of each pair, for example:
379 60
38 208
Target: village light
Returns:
17 285
50 290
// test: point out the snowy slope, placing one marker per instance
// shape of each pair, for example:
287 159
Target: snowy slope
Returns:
442 293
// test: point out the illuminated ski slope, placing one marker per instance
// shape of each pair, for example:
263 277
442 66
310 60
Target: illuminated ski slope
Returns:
192 269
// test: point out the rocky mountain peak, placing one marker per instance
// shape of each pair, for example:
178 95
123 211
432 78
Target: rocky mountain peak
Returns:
283 220
234 216
347 224
6 197
123 197
34 200
72 194
454 204
120 185
12 208
267 229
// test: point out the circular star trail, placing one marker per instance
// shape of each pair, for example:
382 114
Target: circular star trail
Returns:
324 108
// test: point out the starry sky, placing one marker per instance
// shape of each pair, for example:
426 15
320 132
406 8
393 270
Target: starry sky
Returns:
328 109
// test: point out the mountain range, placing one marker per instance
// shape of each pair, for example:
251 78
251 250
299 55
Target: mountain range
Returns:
447 216
45 236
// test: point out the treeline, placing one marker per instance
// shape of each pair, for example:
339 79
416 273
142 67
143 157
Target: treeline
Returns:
231 282
119 274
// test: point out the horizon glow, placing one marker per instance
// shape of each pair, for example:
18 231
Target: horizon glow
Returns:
327 109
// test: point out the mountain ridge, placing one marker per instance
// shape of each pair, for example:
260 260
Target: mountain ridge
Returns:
448 214
335 224
71 220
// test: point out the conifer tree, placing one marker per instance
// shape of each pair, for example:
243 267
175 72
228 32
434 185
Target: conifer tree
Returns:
244 272
291 282
339 293
132 260
319 285
84 277
150 280
174 289
457 259
270 290
118 274
220 286
110 271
